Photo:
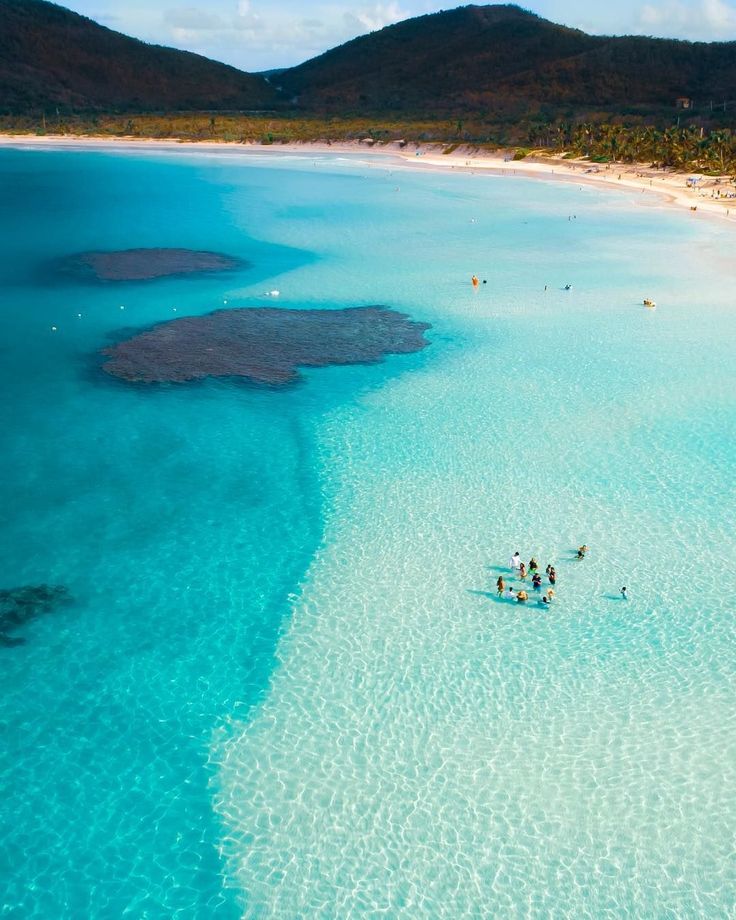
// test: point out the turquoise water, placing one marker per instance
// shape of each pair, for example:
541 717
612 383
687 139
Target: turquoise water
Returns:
285 687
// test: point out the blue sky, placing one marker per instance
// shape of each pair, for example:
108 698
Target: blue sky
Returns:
260 34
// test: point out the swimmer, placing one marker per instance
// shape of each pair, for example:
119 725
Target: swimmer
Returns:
546 571
522 597
515 560
500 585
474 281
552 575
545 600
624 595
550 595
533 565
509 594
582 550
537 581
522 571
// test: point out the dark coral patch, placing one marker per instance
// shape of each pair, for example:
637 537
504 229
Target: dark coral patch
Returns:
19 605
146 264
264 345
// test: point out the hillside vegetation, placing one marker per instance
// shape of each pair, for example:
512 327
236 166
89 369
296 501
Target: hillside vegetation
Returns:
493 76
502 59
51 57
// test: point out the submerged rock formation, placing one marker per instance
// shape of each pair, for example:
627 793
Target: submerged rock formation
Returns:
19 605
146 264
264 345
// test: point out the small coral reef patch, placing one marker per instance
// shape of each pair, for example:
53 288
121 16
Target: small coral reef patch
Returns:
146 264
263 345
20 605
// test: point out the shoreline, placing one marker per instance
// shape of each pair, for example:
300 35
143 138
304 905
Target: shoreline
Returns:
673 187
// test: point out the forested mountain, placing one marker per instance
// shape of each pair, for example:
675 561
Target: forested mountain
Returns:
498 62
497 58
52 57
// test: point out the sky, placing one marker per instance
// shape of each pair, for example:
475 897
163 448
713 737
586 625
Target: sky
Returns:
263 34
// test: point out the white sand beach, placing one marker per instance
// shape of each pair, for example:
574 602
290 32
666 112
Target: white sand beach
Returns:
700 195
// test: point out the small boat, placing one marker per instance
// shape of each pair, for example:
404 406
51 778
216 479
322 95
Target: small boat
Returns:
649 303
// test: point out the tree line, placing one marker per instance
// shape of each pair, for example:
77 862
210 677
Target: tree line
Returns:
689 148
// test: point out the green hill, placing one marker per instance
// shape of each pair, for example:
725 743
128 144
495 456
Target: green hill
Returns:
51 57
503 58
499 63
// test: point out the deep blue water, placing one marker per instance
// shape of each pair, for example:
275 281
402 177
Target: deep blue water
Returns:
179 521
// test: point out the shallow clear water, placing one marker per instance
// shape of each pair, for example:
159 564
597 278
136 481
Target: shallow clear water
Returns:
285 687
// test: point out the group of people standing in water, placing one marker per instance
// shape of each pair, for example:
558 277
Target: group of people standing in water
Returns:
523 571
520 568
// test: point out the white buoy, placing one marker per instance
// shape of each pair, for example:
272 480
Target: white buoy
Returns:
224 301
79 315
272 293
122 307
53 328
174 309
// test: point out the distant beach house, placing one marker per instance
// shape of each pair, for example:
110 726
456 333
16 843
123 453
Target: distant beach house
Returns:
683 102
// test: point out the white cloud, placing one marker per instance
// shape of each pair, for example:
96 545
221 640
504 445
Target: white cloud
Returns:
246 17
377 17
257 36
706 19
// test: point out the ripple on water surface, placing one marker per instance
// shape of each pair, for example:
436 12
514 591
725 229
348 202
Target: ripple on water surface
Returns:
429 751
421 749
